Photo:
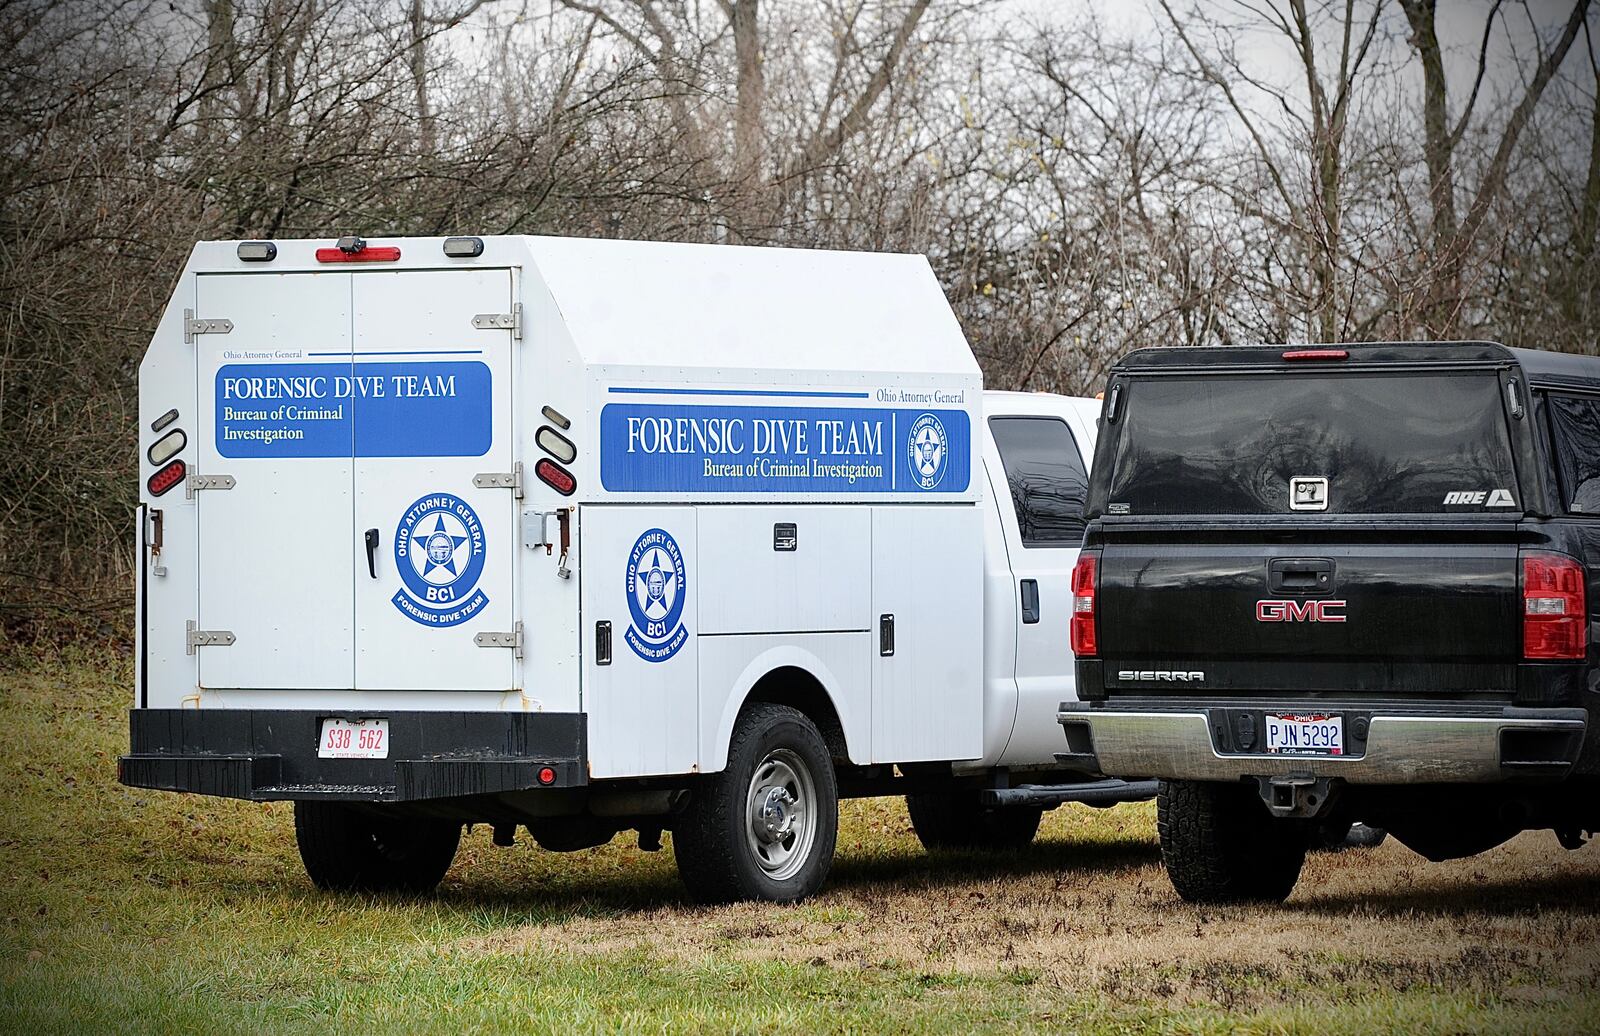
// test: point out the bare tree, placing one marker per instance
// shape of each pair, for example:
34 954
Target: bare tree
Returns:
1453 235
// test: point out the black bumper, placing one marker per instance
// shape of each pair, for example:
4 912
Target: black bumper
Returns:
263 754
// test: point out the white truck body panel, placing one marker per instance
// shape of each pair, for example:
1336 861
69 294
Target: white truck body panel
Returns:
714 396
1043 665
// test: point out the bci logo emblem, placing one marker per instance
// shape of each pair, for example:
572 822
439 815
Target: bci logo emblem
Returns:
1300 611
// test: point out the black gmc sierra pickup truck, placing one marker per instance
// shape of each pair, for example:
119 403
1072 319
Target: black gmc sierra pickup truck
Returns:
1339 583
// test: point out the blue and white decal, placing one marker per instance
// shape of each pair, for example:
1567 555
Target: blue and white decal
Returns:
400 409
927 449
681 448
438 551
657 589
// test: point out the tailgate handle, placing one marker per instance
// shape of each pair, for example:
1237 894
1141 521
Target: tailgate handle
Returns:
372 553
1300 576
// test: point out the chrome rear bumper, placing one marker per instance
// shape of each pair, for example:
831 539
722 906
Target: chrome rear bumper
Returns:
1398 748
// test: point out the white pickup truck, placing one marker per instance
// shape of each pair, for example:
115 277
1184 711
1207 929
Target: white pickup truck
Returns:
592 536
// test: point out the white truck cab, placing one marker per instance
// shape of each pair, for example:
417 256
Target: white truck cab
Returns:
588 536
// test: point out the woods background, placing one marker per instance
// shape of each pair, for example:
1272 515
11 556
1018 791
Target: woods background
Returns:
1086 177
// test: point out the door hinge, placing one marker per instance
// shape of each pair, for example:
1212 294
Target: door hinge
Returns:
511 321
193 325
511 480
512 640
199 638
196 483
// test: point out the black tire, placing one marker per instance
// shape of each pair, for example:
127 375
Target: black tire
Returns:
1220 845
956 820
722 853
346 849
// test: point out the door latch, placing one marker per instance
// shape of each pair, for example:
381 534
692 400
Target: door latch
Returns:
372 553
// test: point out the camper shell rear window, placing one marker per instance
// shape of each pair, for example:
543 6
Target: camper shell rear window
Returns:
1387 443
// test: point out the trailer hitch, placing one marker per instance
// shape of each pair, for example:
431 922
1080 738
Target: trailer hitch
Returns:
1296 794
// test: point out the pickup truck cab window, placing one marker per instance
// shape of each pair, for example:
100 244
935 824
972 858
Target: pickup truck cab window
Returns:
1404 443
1046 476
1576 423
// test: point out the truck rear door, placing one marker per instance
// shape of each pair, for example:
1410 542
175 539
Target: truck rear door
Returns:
365 535
1333 532
275 550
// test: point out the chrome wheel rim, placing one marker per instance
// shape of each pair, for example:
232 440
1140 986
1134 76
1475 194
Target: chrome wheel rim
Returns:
780 812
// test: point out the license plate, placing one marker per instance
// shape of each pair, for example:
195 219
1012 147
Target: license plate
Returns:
1305 735
361 739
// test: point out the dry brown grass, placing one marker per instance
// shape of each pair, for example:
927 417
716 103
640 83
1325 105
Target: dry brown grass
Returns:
1521 922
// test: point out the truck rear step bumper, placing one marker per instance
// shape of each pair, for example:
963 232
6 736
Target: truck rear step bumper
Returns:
1399 747
265 754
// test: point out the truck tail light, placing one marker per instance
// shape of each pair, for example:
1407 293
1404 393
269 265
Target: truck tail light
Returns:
1316 354
1085 631
167 478
353 249
1555 614
555 476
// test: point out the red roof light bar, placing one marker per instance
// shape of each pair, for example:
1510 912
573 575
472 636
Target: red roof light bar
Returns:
1316 354
369 254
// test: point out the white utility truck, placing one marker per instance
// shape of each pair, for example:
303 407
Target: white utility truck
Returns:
590 536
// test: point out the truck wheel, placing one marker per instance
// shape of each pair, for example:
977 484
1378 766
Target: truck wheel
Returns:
346 849
1220 845
765 827
957 820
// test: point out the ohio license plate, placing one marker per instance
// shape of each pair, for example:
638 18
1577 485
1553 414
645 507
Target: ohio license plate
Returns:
361 739
1305 734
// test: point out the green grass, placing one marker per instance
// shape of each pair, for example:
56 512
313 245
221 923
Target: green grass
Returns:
126 910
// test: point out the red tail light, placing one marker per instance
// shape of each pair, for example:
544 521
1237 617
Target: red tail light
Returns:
1555 614
556 477
167 478
1085 632
1317 354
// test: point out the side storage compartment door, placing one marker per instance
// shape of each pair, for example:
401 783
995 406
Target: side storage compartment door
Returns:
796 568
640 642
275 550
927 683
433 413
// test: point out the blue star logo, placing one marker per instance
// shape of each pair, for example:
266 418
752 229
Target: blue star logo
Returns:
436 548
652 586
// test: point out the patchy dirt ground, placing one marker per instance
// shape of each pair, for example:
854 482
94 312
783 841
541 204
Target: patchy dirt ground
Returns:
1520 922
132 911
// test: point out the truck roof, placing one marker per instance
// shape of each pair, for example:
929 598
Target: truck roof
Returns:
698 306
1540 366
999 401
692 305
